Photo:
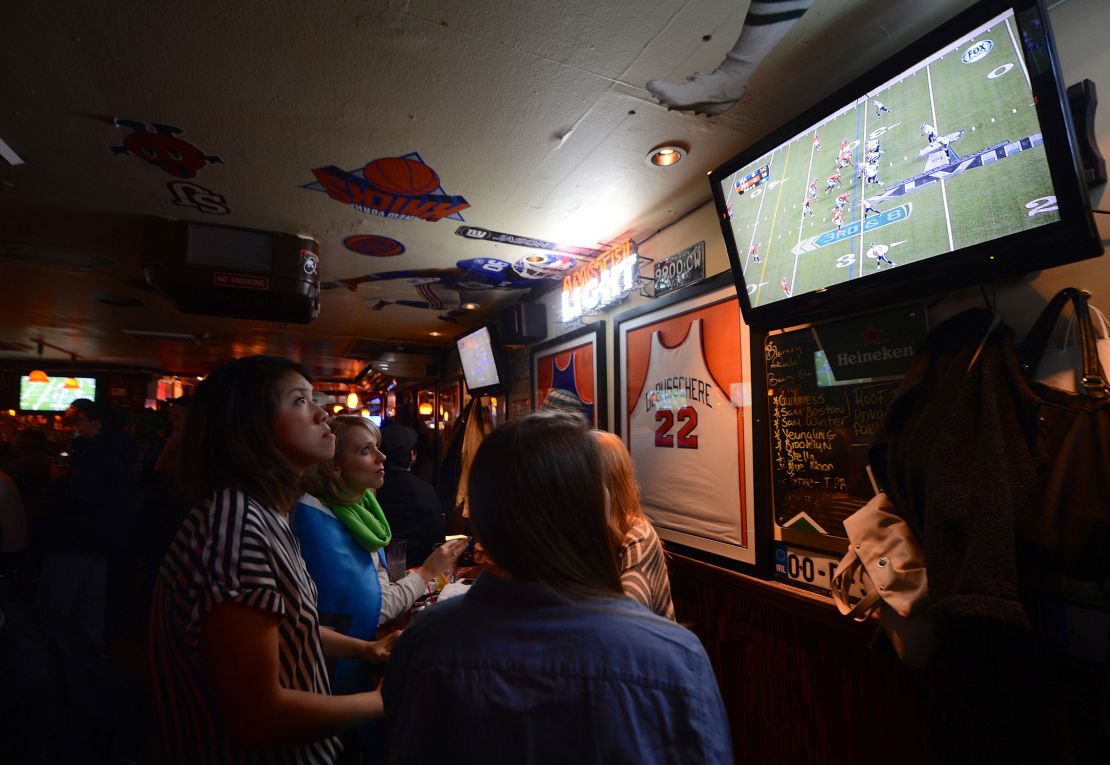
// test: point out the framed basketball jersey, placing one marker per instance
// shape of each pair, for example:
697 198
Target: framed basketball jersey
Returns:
684 410
573 364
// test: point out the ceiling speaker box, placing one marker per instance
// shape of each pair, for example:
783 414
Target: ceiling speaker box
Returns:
524 323
234 272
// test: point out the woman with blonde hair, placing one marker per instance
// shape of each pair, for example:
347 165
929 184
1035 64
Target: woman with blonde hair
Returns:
643 567
343 532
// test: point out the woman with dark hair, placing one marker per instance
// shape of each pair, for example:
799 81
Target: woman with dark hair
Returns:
549 661
642 565
237 651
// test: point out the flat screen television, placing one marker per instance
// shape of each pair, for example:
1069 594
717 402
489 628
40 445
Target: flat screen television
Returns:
950 164
53 395
481 362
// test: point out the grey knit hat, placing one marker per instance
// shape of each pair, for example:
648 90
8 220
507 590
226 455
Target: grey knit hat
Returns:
559 400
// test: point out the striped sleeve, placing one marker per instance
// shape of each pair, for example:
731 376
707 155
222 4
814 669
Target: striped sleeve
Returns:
644 570
237 558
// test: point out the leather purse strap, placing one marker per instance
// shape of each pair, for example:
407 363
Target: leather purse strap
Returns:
1094 379
839 587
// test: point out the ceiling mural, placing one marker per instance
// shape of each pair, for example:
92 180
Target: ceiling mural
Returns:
463 155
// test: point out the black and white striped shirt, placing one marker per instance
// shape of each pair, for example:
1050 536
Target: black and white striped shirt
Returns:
230 548
644 569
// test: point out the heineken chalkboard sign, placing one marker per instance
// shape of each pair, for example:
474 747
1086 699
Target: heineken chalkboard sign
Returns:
827 389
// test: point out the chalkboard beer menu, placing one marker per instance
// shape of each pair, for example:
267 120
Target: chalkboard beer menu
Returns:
828 388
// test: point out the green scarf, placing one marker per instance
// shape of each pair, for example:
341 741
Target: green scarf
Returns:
366 522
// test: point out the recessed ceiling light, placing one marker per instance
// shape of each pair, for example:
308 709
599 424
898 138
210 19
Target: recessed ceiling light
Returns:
469 306
433 333
666 155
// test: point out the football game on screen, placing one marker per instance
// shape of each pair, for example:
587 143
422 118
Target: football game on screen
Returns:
946 155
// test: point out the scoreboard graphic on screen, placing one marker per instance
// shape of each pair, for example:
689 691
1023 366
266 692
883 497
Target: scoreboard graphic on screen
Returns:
753 179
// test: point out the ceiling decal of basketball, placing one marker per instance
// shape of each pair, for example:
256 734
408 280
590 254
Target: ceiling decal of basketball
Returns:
400 188
401 176
374 246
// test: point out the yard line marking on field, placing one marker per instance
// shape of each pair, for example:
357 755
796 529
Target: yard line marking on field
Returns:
1017 54
774 222
943 193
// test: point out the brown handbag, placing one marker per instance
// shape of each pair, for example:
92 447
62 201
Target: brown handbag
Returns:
1066 526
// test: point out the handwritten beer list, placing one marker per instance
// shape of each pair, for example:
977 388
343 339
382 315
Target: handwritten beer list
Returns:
820 431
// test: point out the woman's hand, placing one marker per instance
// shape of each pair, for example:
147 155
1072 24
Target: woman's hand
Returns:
442 558
377 651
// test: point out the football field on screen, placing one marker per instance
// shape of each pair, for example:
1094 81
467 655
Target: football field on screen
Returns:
979 102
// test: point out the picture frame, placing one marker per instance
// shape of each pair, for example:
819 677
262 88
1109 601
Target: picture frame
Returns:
691 431
575 362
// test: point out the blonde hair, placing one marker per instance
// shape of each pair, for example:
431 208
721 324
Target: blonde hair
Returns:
324 481
620 479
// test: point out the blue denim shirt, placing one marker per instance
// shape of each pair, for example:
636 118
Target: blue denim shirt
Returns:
515 673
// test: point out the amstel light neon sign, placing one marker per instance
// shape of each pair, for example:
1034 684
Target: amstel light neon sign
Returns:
610 277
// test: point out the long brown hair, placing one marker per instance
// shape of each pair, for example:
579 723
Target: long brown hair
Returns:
228 441
620 480
323 480
537 503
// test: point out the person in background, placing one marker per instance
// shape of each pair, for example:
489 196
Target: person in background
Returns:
560 400
643 566
94 522
411 505
343 532
237 650
549 661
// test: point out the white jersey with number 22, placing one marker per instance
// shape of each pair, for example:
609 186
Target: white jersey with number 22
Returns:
683 439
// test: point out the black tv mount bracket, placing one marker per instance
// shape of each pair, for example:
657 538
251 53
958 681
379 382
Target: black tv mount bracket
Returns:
1082 99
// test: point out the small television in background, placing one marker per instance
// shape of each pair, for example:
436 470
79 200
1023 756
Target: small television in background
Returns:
53 395
482 363
951 164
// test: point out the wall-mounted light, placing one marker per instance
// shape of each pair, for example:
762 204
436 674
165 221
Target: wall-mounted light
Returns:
71 384
38 376
337 409
425 408
665 155
352 400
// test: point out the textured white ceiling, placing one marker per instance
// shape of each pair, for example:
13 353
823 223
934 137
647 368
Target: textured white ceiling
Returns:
535 112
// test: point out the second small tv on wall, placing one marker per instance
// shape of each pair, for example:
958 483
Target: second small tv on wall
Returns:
482 362
950 164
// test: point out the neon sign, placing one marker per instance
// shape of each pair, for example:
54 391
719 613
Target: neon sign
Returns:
608 279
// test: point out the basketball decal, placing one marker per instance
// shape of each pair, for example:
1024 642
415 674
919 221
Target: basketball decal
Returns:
374 246
398 188
401 176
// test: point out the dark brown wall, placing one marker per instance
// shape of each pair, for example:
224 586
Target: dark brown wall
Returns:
799 680
803 684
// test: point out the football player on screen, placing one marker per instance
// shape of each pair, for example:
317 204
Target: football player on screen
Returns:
871 173
880 107
877 253
832 182
929 132
842 200
753 252
807 207
838 219
812 192
869 208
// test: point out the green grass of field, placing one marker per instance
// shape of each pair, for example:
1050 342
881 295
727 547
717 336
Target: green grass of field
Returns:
986 99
